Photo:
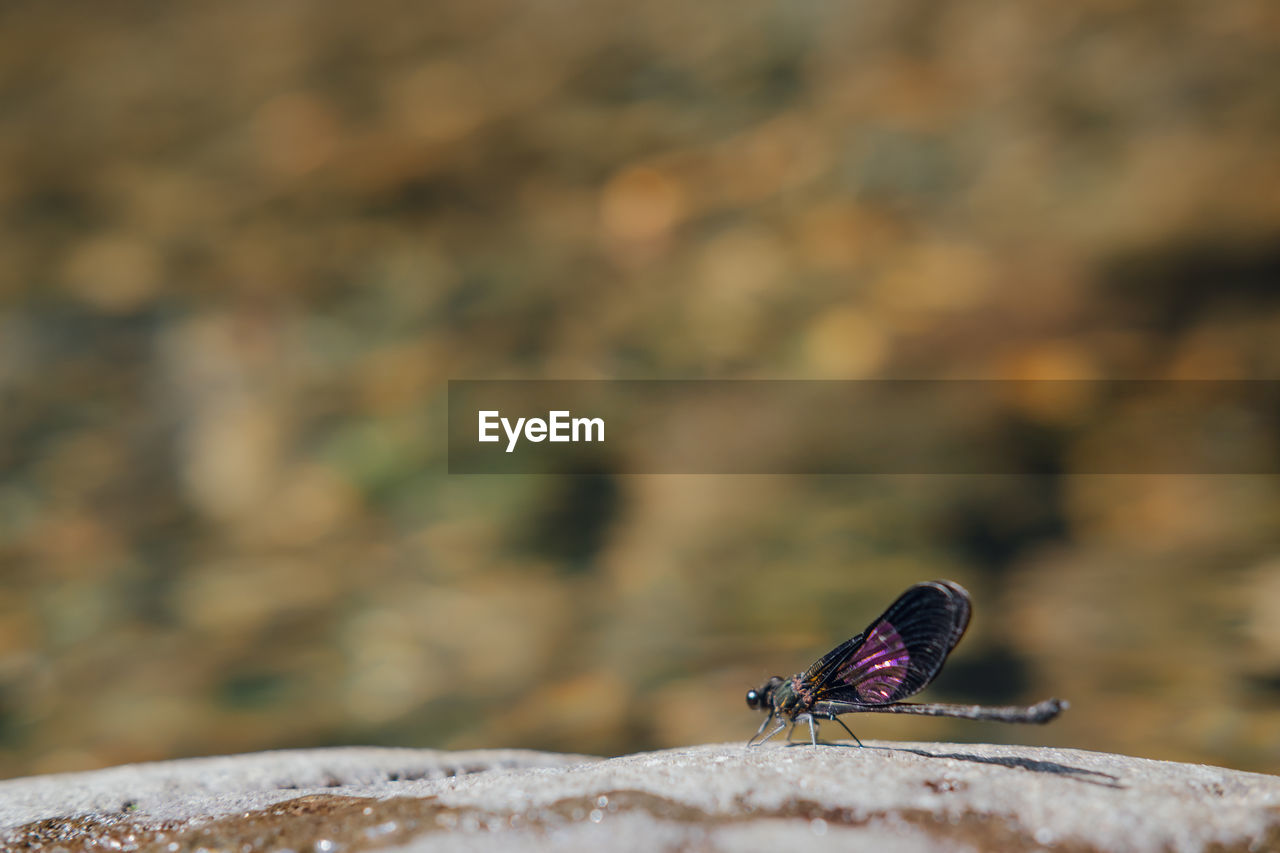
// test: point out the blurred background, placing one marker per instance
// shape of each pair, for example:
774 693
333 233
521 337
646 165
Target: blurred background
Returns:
244 246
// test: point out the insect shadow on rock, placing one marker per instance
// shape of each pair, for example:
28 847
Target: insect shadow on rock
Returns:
895 657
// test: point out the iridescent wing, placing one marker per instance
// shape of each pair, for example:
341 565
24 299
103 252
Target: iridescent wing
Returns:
899 653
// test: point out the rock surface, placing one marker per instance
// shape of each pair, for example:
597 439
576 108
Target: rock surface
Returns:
905 796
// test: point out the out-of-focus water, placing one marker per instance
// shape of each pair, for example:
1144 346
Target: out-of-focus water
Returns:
244 247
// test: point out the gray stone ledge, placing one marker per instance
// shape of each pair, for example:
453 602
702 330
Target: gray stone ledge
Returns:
908 796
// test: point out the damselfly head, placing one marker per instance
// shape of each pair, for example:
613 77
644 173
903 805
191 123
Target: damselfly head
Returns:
757 699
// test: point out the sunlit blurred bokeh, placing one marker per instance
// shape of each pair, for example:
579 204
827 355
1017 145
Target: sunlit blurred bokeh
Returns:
244 245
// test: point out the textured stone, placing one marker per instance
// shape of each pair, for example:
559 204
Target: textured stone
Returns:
909 796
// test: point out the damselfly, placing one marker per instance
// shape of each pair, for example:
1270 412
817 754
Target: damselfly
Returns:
896 657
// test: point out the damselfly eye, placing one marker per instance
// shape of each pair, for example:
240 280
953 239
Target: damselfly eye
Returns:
753 699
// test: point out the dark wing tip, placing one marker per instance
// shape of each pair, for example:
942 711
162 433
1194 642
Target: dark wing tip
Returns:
962 605
951 585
